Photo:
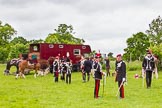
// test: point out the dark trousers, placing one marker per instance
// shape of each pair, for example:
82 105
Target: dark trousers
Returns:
108 71
96 89
148 78
63 76
121 90
51 68
86 74
56 75
68 78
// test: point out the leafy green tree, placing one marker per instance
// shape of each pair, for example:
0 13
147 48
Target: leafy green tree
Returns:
155 35
20 40
6 33
64 35
92 54
52 38
18 49
136 46
157 50
155 31
110 54
36 41
3 53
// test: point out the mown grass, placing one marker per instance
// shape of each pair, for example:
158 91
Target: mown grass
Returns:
42 92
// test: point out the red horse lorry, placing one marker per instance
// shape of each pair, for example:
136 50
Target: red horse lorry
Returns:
73 51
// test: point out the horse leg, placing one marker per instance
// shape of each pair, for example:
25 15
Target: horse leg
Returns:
23 76
36 74
42 72
7 71
17 75
18 72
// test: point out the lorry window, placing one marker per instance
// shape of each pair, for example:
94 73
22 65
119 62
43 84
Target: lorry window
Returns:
83 47
35 48
76 51
61 46
51 46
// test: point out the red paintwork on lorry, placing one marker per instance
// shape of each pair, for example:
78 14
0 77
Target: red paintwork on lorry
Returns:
46 50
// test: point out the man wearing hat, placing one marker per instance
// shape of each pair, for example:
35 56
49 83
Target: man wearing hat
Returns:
120 74
56 69
148 65
97 75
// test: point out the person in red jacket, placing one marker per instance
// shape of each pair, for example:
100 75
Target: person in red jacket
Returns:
120 74
97 75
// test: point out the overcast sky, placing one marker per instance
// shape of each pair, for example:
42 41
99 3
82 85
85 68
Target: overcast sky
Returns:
104 24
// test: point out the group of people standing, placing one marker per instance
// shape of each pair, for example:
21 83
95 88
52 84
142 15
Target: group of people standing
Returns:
62 67
149 67
94 66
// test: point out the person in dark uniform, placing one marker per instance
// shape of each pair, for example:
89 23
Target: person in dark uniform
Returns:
148 65
120 74
50 61
87 68
56 69
68 72
107 66
97 75
63 69
82 68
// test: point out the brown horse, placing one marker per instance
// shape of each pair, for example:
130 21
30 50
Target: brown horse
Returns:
44 68
25 64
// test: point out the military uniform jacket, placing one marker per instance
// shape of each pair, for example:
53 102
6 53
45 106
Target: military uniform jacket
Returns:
69 67
55 66
121 70
98 70
87 65
63 67
148 63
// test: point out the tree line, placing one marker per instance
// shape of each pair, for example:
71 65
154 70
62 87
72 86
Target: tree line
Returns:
11 46
139 42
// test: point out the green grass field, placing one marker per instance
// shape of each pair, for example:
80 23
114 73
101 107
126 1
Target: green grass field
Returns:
42 92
